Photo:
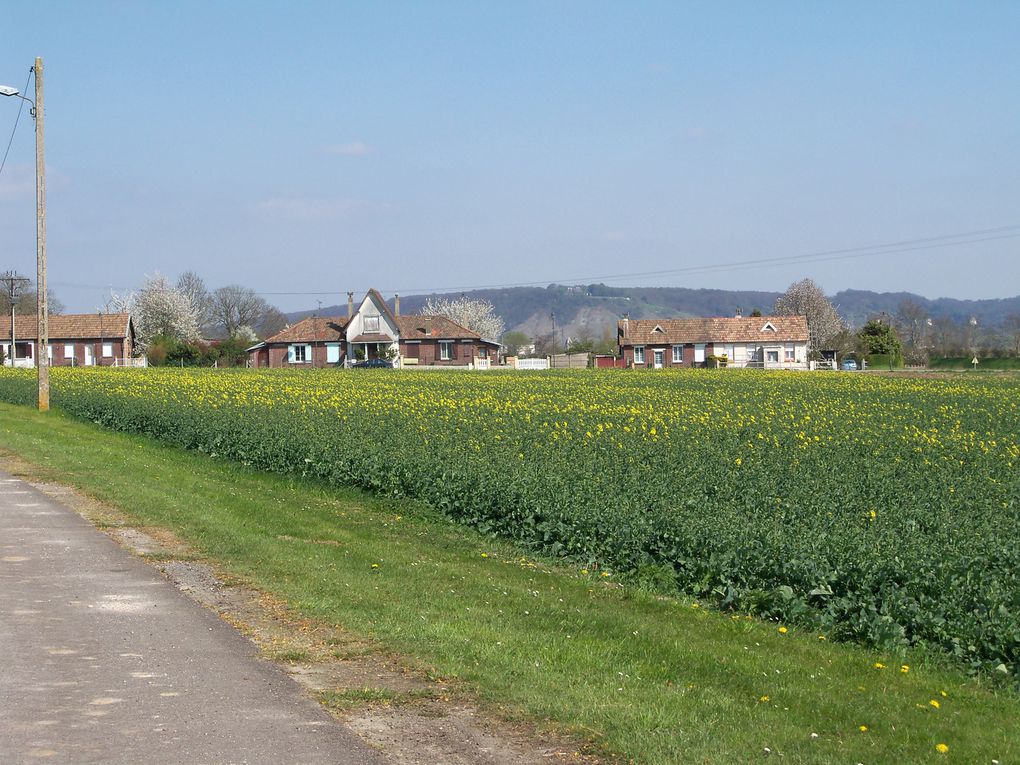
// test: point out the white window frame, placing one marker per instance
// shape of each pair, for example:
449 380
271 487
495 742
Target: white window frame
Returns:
789 353
299 349
639 354
446 350
68 350
699 353
370 325
678 354
332 353
107 350
769 353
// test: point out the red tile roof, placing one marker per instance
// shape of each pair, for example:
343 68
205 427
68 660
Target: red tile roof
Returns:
69 326
747 329
333 329
413 328
328 329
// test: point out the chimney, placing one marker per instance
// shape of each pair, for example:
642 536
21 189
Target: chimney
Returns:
739 314
428 326
626 324
350 305
396 305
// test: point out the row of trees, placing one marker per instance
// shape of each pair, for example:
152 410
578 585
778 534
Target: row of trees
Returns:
925 337
910 333
175 315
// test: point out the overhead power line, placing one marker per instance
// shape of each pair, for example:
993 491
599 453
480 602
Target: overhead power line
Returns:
17 119
888 248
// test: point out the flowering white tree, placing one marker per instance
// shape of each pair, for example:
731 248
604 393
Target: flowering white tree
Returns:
805 298
159 309
475 314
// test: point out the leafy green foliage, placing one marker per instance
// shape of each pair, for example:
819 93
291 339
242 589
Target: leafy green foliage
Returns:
879 337
881 511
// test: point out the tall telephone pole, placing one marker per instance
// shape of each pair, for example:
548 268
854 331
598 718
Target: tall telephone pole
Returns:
43 316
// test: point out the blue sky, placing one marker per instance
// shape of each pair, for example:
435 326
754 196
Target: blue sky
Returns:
307 147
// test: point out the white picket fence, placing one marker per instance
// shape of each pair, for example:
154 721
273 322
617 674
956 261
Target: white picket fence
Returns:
531 364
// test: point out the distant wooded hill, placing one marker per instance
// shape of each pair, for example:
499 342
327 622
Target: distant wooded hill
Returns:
593 310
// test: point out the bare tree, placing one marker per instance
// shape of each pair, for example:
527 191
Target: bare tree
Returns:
1011 332
159 310
805 298
191 285
234 306
271 323
477 315
25 301
913 327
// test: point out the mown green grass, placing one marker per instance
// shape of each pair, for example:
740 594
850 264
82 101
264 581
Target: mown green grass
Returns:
650 679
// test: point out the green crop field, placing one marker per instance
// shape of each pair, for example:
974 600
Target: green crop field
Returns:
876 510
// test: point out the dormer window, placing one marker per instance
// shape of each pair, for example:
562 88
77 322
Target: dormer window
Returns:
769 327
659 329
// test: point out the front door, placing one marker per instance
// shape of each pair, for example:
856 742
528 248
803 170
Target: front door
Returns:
657 356
89 358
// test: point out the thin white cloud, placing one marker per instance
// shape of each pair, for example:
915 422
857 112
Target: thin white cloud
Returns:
318 208
352 149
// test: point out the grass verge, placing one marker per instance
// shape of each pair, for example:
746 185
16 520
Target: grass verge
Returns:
649 679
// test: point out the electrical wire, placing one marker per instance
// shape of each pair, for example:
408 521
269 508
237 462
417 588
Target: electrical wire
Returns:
17 119
889 248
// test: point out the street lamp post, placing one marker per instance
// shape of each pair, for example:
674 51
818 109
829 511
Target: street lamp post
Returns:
42 341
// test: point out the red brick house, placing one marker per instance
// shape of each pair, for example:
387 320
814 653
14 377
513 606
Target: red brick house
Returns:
373 331
763 342
316 341
75 339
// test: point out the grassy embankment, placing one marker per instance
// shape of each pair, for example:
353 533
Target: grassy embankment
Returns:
656 680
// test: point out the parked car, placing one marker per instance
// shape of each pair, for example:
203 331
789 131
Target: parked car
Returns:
373 364
849 365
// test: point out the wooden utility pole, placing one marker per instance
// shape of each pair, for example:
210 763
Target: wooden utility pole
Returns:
42 346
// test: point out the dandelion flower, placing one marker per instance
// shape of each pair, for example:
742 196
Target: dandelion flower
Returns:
862 728
783 630
935 704
904 668
763 699
878 665
941 748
